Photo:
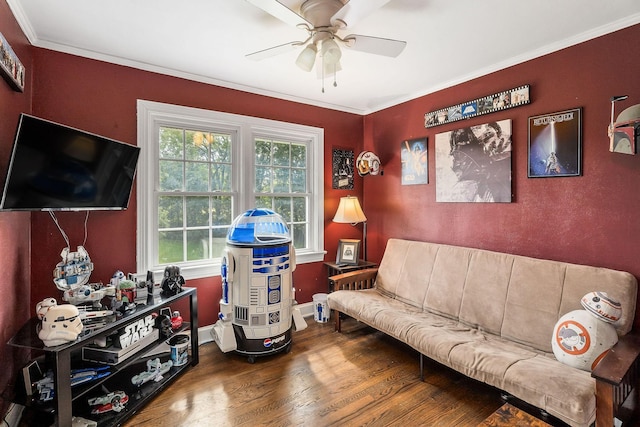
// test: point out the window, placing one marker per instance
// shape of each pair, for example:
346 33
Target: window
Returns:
199 169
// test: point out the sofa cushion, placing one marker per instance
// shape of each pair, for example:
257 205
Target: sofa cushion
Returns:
564 392
533 301
485 292
446 285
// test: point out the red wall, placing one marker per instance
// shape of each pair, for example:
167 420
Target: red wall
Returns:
101 98
15 286
591 219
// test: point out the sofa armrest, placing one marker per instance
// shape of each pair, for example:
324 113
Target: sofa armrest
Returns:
354 280
617 375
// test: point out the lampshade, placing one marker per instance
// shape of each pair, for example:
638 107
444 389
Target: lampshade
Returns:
307 57
349 211
331 51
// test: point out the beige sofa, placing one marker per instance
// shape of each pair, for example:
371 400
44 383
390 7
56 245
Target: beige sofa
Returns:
491 316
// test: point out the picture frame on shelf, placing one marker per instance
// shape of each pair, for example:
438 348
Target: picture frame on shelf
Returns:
555 144
348 252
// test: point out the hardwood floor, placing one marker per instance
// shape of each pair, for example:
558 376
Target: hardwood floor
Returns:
355 378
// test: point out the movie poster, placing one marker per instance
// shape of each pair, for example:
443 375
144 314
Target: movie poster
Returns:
473 164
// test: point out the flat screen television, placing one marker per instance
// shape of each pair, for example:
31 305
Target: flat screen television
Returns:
57 167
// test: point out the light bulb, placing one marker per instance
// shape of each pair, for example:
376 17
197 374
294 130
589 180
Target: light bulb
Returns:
307 57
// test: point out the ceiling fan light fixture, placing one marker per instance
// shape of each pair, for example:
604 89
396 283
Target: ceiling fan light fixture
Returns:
307 57
331 52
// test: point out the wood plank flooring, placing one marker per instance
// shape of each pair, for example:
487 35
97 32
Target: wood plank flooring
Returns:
359 377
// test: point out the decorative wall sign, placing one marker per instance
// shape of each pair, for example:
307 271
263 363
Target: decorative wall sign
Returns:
342 171
473 164
10 66
415 165
485 105
555 144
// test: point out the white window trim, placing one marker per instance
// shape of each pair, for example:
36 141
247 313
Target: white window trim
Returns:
152 114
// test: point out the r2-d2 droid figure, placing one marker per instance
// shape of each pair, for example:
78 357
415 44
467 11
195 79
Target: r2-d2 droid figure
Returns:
257 305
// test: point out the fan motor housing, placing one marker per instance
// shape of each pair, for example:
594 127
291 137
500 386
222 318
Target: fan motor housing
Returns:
319 12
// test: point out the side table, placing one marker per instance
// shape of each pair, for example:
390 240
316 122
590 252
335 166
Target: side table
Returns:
334 269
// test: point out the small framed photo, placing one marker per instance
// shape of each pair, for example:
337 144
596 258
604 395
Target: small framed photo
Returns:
348 252
555 144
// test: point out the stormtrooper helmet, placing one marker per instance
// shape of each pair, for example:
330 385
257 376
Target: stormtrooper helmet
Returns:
43 306
60 324
368 163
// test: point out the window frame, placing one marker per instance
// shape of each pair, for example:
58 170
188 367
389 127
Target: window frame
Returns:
152 115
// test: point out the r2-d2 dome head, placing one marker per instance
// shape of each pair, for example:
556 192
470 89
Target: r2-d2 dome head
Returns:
60 324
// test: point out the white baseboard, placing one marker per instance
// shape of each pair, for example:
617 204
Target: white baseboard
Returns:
204 333
13 415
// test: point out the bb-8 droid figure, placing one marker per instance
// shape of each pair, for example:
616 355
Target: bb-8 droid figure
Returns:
581 338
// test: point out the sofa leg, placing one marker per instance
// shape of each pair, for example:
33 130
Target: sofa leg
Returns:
336 315
421 367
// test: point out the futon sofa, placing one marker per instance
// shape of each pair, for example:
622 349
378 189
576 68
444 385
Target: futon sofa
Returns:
491 316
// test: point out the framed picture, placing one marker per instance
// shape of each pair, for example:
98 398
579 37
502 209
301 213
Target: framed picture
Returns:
555 144
11 68
348 252
342 172
415 164
473 164
477 107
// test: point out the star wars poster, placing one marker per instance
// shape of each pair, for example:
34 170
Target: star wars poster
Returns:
555 144
415 165
342 169
473 164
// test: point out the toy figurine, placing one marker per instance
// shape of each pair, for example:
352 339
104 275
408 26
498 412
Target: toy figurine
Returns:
113 401
176 320
172 281
581 338
155 371
74 269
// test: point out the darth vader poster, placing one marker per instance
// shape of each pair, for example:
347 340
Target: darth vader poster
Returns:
473 164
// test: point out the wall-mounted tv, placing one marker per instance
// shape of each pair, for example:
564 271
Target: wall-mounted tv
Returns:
57 167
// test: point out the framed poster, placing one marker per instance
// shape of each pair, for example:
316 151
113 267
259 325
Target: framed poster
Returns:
348 252
488 104
555 144
473 164
11 68
342 169
415 165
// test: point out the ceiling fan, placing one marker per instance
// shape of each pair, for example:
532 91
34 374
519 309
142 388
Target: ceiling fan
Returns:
322 20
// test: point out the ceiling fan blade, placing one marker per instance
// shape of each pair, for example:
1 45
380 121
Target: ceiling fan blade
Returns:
375 45
273 51
354 11
280 11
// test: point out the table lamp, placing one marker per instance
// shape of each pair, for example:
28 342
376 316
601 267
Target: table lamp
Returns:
350 212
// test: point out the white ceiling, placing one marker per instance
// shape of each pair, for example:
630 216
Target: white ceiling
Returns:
448 42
